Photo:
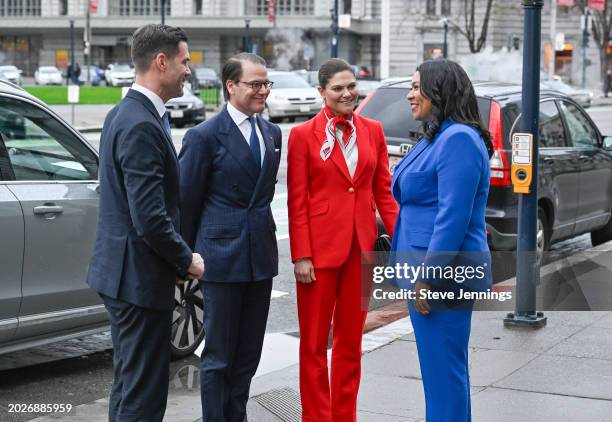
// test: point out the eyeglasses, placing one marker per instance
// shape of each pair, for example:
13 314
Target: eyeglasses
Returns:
257 85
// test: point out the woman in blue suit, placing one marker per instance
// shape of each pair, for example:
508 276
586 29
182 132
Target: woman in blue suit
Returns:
442 187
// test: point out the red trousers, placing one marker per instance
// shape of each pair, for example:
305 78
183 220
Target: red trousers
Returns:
337 294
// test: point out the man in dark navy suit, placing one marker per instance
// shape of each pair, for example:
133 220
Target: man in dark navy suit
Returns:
228 176
138 254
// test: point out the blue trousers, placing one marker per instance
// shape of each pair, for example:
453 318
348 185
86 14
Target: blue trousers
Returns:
235 317
442 343
141 361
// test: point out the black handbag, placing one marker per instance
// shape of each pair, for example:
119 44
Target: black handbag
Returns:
382 247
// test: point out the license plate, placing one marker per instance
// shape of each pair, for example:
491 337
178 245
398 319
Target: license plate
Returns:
304 109
394 161
177 114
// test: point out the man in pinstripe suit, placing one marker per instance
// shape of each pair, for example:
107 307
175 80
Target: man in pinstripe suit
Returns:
228 174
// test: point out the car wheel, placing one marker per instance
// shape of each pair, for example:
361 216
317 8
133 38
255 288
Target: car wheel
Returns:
602 235
542 236
179 125
187 319
291 119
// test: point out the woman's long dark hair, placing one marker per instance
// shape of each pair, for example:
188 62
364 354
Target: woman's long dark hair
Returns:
452 95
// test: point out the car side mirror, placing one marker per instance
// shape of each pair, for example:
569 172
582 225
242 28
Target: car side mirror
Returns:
607 143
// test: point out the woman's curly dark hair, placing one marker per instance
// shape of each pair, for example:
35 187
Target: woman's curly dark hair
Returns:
452 95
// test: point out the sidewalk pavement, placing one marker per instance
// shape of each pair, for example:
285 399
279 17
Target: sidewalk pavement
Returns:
561 372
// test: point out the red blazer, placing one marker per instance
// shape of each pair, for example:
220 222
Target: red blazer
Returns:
325 204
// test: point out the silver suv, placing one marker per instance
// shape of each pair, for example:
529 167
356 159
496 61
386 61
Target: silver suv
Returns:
48 215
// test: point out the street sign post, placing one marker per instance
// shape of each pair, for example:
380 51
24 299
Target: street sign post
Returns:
527 269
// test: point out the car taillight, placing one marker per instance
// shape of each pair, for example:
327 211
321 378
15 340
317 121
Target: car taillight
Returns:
500 167
364 102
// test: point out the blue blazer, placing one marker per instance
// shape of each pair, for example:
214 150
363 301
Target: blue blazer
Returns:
442 187
225 200
138 252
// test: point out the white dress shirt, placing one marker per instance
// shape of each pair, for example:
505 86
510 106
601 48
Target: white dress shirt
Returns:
350 151
158 103
240 119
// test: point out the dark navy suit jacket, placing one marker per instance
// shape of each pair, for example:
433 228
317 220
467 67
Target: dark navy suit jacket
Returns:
225 200
138 252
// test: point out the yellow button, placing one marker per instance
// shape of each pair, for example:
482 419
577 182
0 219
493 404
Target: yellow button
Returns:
351 190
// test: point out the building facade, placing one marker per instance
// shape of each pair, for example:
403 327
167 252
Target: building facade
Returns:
36 32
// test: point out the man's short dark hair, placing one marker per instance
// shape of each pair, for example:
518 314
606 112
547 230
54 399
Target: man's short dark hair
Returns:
232 69
150 40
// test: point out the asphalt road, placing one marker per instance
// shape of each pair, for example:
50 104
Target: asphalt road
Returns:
80 371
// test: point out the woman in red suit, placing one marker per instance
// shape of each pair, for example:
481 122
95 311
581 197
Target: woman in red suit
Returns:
337 175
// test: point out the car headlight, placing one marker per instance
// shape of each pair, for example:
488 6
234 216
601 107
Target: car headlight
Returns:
198 103
278 98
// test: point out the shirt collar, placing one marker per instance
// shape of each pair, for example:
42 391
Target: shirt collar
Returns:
158 103
237 116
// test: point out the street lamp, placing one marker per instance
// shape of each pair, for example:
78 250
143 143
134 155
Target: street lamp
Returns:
246 44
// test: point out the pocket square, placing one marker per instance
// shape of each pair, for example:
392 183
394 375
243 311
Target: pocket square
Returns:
276 149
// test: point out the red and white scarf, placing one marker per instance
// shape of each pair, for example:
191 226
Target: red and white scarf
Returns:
349 133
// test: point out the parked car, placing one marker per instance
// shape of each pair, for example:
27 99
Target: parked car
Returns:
574 169
48 75
49 209
186 109
96 75
291 97
365 87
207 78
119 75
581 96
310 76
192 82
11 74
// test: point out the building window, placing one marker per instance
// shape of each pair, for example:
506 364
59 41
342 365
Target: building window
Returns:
141 8
347 5
19 7
197 6
287 7
446 7
63 7
431 7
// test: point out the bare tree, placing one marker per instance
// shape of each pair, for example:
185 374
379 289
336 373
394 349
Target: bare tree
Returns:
468 30
601 28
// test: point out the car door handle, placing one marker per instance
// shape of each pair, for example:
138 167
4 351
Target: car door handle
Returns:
48 209
548 160
585 158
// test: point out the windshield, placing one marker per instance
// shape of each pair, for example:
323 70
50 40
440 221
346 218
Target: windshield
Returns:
122 68
8 69
289 80
48 70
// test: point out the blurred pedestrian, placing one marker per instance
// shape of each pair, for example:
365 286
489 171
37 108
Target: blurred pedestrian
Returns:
608 82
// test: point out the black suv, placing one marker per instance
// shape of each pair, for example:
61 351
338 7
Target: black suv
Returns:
575 164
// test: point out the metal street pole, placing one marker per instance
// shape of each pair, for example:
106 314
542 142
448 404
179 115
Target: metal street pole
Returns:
445 38
71 61
335 30
527 270
246 45
553 39
163 12
385 37
585 44
88 44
